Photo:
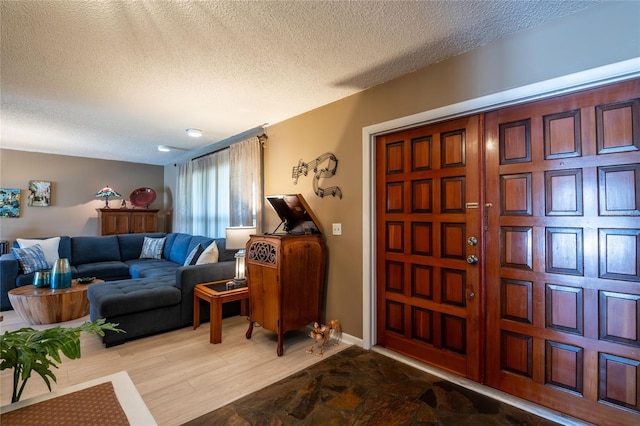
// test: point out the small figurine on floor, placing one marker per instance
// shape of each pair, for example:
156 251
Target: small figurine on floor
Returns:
323 334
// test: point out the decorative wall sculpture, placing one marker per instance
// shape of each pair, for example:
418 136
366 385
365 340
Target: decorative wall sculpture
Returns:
319 173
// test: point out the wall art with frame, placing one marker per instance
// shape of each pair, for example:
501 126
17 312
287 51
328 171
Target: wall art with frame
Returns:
39 193
9 202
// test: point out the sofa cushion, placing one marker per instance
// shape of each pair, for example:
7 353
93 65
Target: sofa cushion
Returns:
131 244
194 255
198 239
31 258
168 244
152 248
144 268
179 249
130 296
209 255
49 247
64 248
94 249
105 270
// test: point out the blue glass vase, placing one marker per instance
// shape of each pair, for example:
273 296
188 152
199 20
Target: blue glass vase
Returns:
61 274
42 279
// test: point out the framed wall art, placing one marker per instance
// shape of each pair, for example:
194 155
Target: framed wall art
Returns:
39 193
9 202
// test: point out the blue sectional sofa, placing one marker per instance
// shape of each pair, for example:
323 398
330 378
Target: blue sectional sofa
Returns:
145 296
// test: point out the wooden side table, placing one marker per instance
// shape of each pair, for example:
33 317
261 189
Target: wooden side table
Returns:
47 306
216 294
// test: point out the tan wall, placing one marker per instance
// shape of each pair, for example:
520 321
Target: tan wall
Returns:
608 33
74 182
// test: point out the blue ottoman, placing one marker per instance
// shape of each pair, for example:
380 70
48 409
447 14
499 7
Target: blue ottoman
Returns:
141 307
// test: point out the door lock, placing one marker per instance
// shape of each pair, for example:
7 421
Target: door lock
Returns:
472 259
472 241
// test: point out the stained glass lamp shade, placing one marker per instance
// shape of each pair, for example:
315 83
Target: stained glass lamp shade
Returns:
105 193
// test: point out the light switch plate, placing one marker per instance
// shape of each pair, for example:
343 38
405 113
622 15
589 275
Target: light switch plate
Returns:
337 228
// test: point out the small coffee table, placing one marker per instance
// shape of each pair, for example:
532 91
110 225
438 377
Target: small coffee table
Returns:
37 305
216 294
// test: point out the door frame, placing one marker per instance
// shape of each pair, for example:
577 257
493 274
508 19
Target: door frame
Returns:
582 80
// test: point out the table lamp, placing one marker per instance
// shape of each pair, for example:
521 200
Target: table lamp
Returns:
236 239
105 193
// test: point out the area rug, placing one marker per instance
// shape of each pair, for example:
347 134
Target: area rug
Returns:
360 387
95 405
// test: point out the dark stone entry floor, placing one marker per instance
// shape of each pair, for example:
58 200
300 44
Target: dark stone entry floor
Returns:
359 387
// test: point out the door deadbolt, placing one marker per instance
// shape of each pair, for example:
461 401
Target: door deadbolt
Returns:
471 259
472 241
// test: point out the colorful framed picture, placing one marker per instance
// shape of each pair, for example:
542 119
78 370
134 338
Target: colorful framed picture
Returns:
9 202
39 193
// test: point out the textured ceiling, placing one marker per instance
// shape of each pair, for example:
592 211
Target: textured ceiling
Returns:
114 79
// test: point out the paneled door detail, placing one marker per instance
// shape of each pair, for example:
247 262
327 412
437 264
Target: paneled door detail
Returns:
563 253
429 213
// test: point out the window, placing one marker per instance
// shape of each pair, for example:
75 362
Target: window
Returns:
219 190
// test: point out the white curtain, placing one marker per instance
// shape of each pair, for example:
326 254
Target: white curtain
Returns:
202 196
220 190
245 159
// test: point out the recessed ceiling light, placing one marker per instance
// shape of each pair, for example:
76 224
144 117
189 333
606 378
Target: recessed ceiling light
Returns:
169 148
194 133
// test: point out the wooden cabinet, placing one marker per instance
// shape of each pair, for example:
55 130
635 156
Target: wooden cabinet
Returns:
285 275
127 221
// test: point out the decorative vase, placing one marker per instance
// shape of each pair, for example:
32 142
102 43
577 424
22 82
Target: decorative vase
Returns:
61 274
42 279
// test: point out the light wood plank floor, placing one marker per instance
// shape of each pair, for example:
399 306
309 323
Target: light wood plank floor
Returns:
179 374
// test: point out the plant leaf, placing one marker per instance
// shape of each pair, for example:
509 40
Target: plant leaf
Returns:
27 350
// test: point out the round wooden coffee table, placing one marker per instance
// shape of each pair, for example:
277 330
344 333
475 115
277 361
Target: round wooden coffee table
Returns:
47 306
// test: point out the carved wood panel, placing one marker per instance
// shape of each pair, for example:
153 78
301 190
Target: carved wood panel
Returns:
516 300
564 366
516 194
563 253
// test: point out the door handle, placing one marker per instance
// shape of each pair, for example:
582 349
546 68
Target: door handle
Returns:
472 259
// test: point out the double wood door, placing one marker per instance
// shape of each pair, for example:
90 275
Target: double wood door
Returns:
428 223
554 204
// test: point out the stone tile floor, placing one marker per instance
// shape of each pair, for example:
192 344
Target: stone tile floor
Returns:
359 387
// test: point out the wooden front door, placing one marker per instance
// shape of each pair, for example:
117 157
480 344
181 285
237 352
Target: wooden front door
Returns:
429 229
563 253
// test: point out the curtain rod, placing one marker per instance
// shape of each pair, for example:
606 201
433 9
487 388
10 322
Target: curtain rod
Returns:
226 143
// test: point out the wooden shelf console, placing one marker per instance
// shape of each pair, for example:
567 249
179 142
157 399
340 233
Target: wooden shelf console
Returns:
127 221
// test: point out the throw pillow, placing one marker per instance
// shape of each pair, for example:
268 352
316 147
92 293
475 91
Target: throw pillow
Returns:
152 248
209 255
31 258
49 247
194 255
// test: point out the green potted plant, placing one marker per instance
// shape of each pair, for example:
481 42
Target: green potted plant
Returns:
27 350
